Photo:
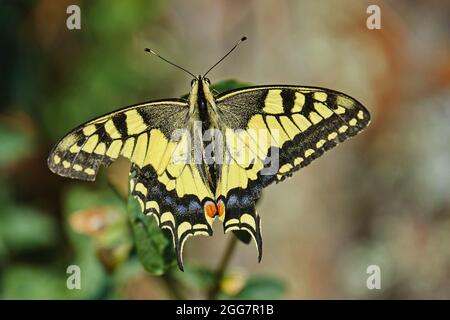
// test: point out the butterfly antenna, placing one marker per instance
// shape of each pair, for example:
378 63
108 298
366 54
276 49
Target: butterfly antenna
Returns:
169 62
231 50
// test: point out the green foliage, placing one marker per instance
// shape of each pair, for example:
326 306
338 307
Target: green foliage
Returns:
31 282
80 197
260 288
229 84
154 247
121 19
14 145
195 277
104 74
21 229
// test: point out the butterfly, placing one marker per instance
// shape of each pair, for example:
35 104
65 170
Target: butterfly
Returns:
209 156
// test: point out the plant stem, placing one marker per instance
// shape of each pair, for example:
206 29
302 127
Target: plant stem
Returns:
222 267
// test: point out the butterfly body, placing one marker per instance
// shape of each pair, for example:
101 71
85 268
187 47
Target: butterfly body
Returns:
207 157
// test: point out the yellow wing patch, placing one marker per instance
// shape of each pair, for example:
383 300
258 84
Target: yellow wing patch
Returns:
274 102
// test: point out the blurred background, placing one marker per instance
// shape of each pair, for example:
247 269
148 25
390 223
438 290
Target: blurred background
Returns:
382 198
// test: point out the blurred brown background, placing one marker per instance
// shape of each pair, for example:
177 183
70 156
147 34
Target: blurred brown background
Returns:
379 199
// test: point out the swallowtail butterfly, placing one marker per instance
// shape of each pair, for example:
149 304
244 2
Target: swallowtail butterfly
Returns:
209 156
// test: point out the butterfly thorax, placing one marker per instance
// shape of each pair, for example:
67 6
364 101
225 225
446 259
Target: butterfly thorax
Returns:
202 104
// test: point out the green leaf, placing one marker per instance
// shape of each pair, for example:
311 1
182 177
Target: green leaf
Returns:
260 288
154 247
229 84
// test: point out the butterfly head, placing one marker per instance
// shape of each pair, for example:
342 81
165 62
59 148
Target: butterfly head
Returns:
200 80
200 92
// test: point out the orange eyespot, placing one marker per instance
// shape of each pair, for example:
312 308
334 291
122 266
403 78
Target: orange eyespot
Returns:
210 209
221 208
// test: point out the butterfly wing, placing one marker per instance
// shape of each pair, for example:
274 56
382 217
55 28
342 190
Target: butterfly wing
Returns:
271 132
165 180
124 133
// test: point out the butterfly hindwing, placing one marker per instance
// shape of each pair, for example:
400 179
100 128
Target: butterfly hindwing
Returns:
272 131
182 214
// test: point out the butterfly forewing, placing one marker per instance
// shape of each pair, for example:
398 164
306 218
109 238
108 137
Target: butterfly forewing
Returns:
122 133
